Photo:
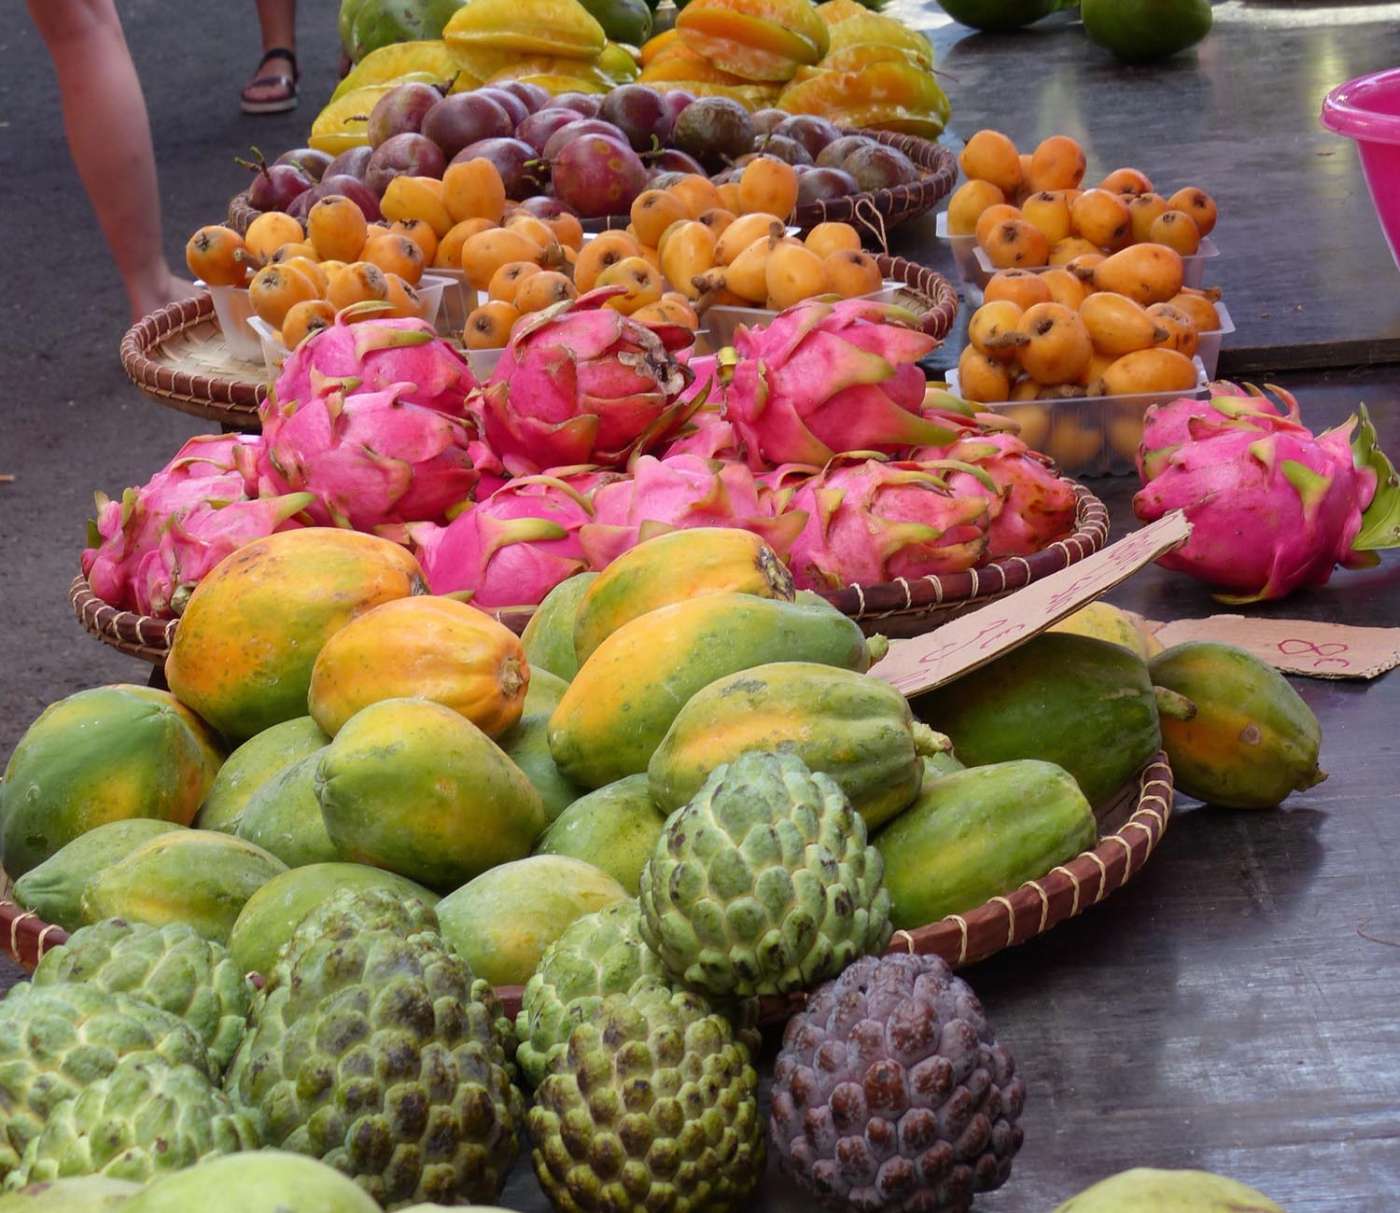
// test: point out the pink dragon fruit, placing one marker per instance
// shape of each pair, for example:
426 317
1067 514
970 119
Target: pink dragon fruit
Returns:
581 383
1031 506
194 542
517 545
676 493
706 433
869 520
1165 427
371 354
826 378
1273 508
147 551
370 458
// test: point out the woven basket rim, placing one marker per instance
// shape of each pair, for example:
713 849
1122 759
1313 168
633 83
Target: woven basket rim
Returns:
225 398
876 210
1133 824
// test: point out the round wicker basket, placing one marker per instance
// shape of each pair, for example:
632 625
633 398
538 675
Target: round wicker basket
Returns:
1130 827
876 210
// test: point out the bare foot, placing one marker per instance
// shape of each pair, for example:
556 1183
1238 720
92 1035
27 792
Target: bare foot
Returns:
146 298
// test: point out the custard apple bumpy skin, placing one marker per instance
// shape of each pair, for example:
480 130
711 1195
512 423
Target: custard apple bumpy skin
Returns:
891 1094
763 883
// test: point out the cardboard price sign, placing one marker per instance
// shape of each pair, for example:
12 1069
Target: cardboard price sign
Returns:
1297 646
918 665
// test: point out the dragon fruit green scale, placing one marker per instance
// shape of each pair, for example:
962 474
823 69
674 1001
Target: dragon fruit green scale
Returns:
763 883
826 378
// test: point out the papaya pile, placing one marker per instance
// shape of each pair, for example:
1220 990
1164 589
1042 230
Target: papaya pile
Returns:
330 725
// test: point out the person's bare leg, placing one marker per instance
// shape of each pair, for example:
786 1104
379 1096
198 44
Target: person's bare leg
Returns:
277 19
109 138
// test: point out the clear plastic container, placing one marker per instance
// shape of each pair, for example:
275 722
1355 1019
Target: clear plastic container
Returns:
722 319
975 267
458 300
1088 435
234 311
1208 347
268 340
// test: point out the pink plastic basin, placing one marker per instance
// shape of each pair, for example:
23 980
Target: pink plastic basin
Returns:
1367 109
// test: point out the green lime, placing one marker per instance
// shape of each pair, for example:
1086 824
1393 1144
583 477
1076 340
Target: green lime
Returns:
626 21
1141 30
997 16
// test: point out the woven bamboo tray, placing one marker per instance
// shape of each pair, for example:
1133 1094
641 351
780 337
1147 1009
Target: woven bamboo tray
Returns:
876 211
177 354
1130 827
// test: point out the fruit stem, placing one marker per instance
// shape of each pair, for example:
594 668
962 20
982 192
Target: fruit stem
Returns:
877 646
1173 705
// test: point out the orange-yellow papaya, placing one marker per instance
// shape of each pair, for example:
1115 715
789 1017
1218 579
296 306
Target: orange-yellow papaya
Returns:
243 653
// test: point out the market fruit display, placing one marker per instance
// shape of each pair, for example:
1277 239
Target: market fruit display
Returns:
1300 504
101 756
763 883
599 954
998 712
412 786
1155 1191
614 827
54 1041
956 845
1251 741
685 1080
146 1119
856 730
501 922
891 1091
265 1181
445 1131
249 636
172 967
618 708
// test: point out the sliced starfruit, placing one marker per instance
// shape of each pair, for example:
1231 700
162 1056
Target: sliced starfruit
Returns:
750 96
889 95
433 60
618 63
762 40
586 77
853 58
657 43
534 27
554 85
683 63
873 29
833 12
343 122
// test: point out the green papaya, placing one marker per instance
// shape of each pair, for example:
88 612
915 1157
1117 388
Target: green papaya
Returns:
1083 704
1144 1190
549 636
270 915
54 890
414 787
614 828
284 818
980 833
1252 740
526 743
197 877
1138 31
102 755
258 760
858 730
501 922
624 698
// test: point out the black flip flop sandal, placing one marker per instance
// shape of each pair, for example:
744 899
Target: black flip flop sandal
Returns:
276 104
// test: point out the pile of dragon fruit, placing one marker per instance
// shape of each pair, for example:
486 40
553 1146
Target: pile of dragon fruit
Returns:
593 433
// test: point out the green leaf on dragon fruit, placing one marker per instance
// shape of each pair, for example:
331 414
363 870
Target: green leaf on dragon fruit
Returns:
1380 523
